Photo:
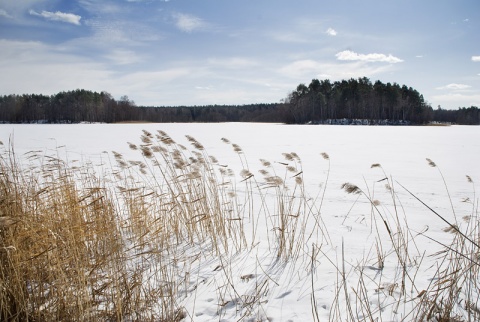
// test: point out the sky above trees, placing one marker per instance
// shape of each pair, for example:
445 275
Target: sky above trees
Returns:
197 52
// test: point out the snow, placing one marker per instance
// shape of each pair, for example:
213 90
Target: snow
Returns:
257 285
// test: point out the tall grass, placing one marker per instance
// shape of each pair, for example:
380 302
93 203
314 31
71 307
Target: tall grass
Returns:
453 291
130 242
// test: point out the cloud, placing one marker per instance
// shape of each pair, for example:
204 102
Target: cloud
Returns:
233 63
301 31
97 8
455 87
34 67
454 100
5 14
188 23
331 32
203 88
290 37
106 34
123 57
353 56
58 16
16 8
301 67
476 59
304 69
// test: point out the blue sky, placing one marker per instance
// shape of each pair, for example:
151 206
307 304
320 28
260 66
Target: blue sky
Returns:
197 52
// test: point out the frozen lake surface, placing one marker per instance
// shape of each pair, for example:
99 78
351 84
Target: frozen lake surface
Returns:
401 151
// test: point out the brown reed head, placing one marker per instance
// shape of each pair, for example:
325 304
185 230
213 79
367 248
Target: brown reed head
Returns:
265 163
146 151
291 168
351 188
245 173
431 163
197 145
288 156
237 148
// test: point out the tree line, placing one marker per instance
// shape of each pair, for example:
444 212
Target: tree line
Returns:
319 102
88 106
357 99
360 99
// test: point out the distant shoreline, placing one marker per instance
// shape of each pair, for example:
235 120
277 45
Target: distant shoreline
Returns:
339 122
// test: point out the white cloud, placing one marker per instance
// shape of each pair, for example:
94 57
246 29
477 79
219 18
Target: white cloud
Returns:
299 68
123 57
203 88
106 34
154 80
331 32
103 7
15 8
476 58
233 63
290 37
301 31
455 87
34 67
454 100
58 16
302 70
353 56
188 23
5 14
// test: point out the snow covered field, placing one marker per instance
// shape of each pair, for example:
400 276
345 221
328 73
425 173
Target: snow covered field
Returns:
345 262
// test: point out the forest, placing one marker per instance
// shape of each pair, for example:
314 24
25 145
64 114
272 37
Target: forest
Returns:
353 101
